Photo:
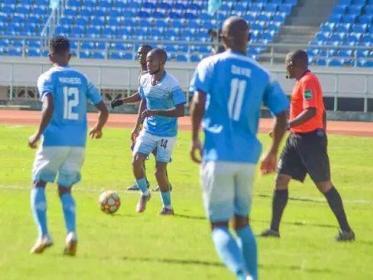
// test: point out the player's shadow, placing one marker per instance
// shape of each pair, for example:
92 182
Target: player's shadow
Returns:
174 261
300 224
190 217
295 198
299 268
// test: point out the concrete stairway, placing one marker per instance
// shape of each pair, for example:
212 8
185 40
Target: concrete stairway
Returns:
300 27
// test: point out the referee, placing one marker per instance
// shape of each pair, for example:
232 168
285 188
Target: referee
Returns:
306 147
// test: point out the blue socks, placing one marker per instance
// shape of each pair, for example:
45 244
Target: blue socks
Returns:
246 241
229 252
166 199
142 184
39 209
68 207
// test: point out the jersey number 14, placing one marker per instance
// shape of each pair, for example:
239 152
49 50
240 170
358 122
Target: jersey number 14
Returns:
70 100
237 94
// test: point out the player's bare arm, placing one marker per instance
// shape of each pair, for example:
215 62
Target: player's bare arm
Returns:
96 131
197 110
123 100
140 120
46 115
269 162
306 115
176 112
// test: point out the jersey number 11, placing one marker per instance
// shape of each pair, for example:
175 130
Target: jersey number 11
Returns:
238 88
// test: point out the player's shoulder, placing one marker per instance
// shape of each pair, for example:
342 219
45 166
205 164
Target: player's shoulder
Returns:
171 80
309 78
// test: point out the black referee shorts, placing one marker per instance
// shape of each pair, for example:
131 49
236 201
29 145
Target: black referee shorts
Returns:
306 153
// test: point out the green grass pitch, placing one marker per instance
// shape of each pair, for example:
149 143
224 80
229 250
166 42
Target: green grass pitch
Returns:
133 246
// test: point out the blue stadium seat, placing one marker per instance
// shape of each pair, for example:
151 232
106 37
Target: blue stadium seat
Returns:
348 18
181 58
359 28
365 62
365 19
339 9
33 52
354 9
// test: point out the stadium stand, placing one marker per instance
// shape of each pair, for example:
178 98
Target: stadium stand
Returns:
20 21
108 29
346 39
99 27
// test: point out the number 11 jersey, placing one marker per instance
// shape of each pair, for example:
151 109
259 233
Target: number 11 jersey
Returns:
236 87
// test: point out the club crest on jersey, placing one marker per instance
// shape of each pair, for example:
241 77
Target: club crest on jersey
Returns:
308 94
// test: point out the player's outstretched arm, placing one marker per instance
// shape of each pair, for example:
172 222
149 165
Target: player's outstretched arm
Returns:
176 112
103 115
269 162
130 99
46 115
197 110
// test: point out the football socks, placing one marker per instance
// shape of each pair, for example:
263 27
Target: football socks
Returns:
246 241
68 207
280 199
39 209
228 250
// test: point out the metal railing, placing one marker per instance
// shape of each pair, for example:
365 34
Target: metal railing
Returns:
114 78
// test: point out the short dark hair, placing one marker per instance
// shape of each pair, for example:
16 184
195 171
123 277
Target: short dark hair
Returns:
146 47
161 53
59 44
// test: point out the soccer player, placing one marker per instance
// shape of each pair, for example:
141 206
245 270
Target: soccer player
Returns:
141 57
230 89
164 104
64 92
306 148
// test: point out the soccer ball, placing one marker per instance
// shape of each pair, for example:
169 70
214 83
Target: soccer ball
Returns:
109 202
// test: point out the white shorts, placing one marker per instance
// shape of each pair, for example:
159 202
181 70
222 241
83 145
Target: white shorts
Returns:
64 161
146 143
227 189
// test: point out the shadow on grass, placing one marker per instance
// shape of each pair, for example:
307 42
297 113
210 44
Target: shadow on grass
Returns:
295 198
218 264
190 217
296 223
174 261
298 268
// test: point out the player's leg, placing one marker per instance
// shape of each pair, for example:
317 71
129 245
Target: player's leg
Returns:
144 145
46 164
68 207
163 155
69 174
157 188
218 196
290 167
242 206
163 183
316 160
134 187
39 211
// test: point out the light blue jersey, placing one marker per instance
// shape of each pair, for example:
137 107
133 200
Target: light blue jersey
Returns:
70 90
235 88
165 95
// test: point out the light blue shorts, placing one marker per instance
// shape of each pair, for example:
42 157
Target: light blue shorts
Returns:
64 161
146 143
227 189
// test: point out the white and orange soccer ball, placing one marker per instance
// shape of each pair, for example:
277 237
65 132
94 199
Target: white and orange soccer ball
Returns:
109 202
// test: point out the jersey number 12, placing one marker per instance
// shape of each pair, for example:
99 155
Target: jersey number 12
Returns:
70 100
238 88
